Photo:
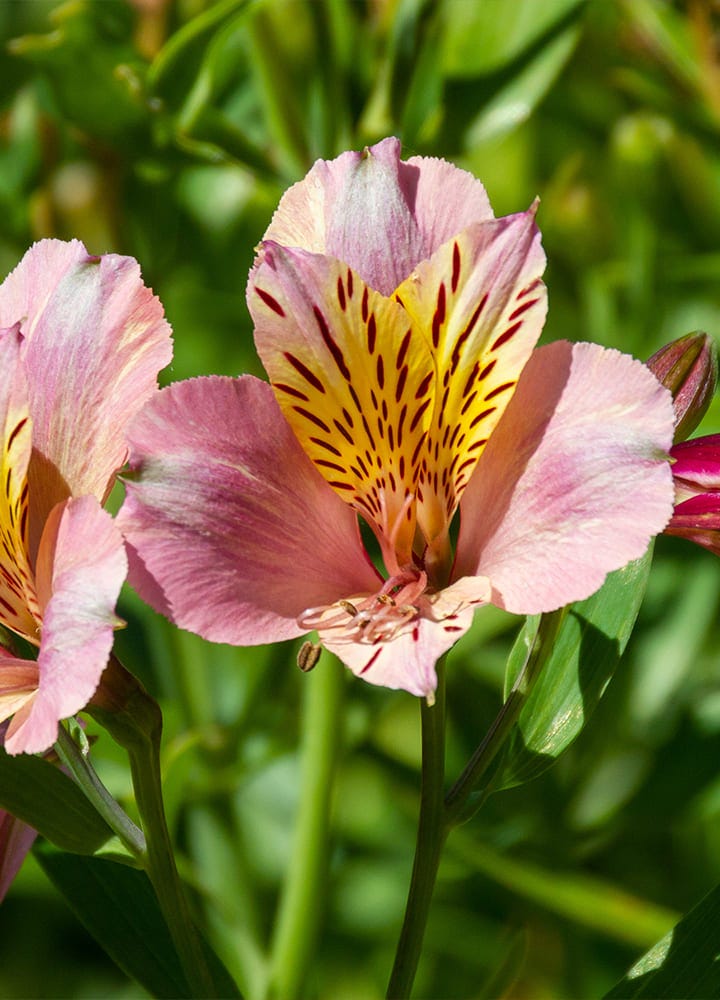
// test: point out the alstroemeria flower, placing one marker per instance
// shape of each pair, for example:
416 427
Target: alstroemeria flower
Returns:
696 472
81 343
397 320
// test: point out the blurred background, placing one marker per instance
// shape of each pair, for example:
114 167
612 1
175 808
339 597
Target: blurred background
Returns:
168 129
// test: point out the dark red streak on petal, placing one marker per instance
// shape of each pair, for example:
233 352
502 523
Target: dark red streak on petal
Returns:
301 369
455 268
331 345
504 337
312 418
271 302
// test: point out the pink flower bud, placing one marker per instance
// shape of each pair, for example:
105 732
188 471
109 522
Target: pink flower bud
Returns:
688 367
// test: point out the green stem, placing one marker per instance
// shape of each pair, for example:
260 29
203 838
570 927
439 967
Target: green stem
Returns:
464 798
79 765
134 720
432 832
301 904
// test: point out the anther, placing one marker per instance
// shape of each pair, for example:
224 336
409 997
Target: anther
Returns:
349 607
308 655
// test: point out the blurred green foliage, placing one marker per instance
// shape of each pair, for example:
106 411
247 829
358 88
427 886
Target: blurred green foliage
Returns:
168 129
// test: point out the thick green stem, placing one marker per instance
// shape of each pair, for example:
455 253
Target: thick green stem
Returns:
301 904
134 720
432 832
79 765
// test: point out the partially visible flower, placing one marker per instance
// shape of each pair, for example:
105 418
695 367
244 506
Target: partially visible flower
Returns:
688 367
397 320
16 838
81 343
696 473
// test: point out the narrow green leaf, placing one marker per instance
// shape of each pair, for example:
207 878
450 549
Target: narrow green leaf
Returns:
118 907
516 99
683 964
38 793
583 659
506 30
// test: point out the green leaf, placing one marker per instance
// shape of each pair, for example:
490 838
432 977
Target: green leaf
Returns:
38 793
578 668
481 38
684 963
118 907
516 99
94 69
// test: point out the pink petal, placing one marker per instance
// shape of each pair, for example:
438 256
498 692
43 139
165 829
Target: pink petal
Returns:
697 462
16 839
81 568
573 483
232 532
95 342
378 214
407 661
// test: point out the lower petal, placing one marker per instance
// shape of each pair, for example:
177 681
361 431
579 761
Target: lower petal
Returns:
407 661
81 568
574 482
231 530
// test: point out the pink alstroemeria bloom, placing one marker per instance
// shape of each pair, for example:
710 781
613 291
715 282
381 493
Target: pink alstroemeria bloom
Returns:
696 471
81 342
397 321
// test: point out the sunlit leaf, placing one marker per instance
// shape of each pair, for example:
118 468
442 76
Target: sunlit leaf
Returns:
584 657
481 38
683 964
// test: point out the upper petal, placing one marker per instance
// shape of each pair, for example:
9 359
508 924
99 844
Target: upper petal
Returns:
481 304
573 483
232 532
353 377
19 609
81 568
95 340
378 214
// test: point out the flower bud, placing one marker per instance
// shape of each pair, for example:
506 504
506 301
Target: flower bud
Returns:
688 367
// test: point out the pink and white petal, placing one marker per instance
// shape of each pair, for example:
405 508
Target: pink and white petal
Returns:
83 552
574 482
16 839
231 531
406 662
444 199
95 340
361 216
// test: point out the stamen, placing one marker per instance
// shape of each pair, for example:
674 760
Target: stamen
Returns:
374 618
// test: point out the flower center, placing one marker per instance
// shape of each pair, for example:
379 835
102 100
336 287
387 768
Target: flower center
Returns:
370 618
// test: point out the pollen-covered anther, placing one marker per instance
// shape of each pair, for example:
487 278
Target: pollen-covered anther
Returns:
374 618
